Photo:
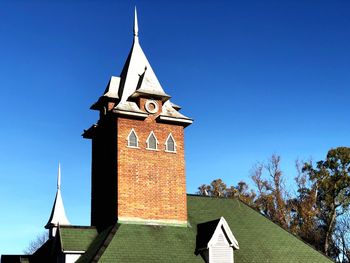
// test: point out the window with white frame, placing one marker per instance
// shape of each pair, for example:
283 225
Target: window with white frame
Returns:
152 142
132 139
170 144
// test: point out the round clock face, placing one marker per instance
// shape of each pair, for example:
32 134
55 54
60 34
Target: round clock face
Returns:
151 106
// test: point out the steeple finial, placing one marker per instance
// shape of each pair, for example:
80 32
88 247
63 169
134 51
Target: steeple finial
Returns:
136 26
59 177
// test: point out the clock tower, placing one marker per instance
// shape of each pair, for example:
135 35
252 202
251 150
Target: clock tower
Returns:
138 159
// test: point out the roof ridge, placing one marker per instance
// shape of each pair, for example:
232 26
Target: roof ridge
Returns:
105 243
77 226
208 196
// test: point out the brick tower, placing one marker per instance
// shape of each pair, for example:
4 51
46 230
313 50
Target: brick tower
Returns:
138 164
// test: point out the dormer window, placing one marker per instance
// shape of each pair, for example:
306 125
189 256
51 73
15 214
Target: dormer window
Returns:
215 242
170 144
132 139
152 142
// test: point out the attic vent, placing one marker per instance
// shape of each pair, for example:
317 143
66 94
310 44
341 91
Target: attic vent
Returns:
132 139
170 145
221 252
152 142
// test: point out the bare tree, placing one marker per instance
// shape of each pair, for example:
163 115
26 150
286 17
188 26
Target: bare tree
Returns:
342 237
36 243
272 197
280 195
305 210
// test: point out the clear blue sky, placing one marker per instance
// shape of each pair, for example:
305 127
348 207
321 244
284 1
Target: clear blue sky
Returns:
258 77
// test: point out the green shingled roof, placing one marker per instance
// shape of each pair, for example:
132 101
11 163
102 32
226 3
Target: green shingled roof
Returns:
76 238
97 247
260 240
140 243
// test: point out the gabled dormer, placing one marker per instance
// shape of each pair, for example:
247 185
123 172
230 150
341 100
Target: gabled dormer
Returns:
109 98
215 242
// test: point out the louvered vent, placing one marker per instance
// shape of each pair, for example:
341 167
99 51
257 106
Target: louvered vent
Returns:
221 252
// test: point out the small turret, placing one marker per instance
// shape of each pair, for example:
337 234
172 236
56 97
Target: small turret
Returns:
58 214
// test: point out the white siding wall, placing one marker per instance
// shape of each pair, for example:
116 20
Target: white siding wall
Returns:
221 252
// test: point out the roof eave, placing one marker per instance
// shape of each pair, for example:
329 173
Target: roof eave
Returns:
183 121
88 134
138 115
103 99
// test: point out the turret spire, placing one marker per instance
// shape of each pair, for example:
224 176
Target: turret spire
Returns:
136 26
58 214
59 177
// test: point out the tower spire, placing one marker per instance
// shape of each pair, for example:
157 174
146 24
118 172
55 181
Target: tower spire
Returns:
58 214
59 177
136 26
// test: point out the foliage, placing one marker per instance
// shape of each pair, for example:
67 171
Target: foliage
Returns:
304 211
331 180
272 195
319 210
217 188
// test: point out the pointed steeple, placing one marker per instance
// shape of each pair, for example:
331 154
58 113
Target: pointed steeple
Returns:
136 26
58 214
137 80
59 177
138 73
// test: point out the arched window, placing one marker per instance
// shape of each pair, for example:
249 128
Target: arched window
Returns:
170 144
152 142
132 139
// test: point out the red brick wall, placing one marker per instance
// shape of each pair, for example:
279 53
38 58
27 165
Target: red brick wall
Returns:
151 184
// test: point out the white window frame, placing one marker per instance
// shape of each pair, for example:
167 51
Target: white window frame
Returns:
147 142
166 144
128 139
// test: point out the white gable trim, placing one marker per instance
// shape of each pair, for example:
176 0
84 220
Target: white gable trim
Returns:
231 239
74 251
